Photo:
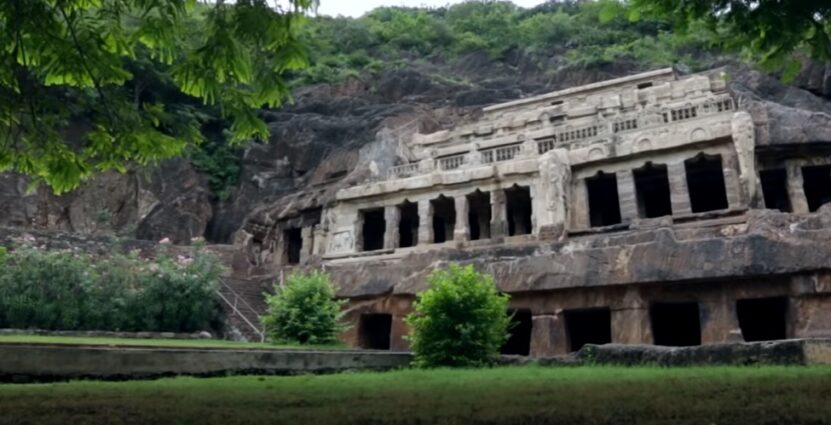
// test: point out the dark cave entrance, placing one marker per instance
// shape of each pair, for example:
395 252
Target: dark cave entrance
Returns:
518 204
604 205
763 319
775 189
373 229
407 224
374 331
293 238
675 324
816 181
652 191
444 218
705 183
588 326
519 341
479 215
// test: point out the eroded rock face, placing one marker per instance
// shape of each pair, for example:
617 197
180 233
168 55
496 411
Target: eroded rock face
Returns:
170 201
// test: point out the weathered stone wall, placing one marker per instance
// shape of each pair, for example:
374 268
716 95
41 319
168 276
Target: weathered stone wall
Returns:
25 363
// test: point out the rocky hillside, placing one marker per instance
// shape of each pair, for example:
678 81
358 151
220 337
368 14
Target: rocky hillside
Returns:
390 72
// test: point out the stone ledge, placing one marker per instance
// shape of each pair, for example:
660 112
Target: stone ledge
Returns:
47 363
110 334
783 352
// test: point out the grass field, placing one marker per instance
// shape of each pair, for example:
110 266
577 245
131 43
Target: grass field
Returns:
148 342
507 395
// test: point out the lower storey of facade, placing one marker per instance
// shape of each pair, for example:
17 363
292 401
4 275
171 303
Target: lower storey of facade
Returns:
556 322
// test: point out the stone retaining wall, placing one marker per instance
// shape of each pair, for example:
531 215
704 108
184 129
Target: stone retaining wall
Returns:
43 363
786 352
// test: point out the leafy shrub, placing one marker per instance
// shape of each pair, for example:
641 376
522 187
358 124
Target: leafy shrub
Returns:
304 311
459 321
67 290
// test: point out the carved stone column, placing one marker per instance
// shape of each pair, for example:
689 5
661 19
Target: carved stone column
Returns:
630 319
391 218
796 190
720 323
733 186
425 222
307 242
461 230
626 196
499 222
679 195
579 212
551 197
744 139
548 335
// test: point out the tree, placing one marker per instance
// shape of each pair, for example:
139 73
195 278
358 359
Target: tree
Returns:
773 33
459 321
304 311
72 98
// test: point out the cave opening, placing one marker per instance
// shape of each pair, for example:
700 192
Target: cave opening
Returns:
374 331
518 204
816 181
519 339
293 238
775 189
763 319
374 226
604 205
675 324
652 191
407 224
479 215
588 326
444 218
705 183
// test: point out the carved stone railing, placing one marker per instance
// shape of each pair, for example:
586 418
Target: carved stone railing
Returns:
401 171
451 162
504 153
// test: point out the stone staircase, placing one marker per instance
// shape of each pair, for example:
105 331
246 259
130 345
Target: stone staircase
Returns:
243 303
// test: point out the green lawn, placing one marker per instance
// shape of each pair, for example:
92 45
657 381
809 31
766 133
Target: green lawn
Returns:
507 395
148 342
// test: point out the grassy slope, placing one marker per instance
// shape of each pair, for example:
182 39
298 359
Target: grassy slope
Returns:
147 342
590 395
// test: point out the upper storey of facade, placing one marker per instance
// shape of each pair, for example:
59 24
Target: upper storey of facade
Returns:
593 122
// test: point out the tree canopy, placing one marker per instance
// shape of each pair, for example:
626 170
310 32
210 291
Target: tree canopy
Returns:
772 32
76 79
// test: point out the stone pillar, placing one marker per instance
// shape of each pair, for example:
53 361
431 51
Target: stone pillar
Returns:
548 335
499 222
631 325
579 212
719 321
626 196
425 222
744 140
398 333
391 219
678 193
796 190
552 197
307 243
630 319
732 185
809 311
461 231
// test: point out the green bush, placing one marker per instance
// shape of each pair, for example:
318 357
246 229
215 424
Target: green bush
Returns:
304 311
69 290
459 321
